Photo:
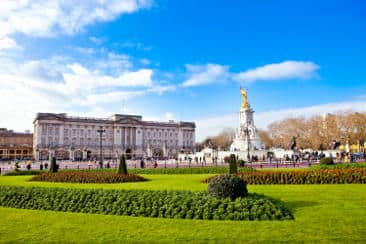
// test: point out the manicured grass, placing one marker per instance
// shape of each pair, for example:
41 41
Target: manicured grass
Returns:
325 213
156 182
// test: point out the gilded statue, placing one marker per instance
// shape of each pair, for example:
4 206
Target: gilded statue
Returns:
244 101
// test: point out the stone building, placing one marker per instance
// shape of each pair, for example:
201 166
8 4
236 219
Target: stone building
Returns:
78 138
15 145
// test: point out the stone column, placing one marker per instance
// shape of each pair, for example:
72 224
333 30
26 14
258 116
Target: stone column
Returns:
134 137
123 137
84 154
36 155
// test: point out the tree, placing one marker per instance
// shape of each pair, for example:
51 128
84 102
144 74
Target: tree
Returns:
319 132
265 138
233 167
54 166
221 141
122 168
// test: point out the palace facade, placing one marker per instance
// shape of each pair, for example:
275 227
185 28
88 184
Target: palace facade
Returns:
77 138
15 145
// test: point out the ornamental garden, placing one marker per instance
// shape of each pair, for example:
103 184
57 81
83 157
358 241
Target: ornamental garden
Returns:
320 203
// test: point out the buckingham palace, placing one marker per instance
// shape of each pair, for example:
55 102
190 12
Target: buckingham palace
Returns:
79 138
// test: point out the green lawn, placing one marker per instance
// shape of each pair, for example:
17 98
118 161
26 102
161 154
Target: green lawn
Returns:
157 182
325 213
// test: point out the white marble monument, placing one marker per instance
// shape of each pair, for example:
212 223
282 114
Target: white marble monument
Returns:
247 134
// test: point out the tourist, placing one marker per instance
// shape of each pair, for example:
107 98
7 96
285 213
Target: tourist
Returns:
155 164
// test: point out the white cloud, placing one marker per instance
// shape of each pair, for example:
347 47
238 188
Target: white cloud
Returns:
160 89
48 18
96 40
57 86
205 74
6 43
169 116
198 75
280 71
213 125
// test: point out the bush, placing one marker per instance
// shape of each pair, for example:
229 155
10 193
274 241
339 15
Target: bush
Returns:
322 176
87 177
326 161
144 203
151 171
122 168
339 166
233 167
241 163
54 166
23 172
227 185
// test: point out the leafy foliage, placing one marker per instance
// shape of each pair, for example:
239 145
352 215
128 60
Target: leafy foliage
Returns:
326 161
122 168
339 166
233 167
87 177
54 166
23 172
227 185
163 204
174 171
321 176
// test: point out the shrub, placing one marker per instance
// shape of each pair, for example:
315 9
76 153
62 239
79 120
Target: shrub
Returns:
233 167
322 176
192 170
87 177
122 167
339 166
227 185
23 172
326 161
241 163
144 203
54 166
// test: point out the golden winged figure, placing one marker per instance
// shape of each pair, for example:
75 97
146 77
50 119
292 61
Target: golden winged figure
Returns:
244 101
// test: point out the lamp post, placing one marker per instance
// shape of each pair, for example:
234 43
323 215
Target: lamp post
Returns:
100 131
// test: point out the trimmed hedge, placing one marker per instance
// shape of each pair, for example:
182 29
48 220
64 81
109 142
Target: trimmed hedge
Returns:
326 161
23 172
227 185
199 170
339 166
144 203
87 177
328 176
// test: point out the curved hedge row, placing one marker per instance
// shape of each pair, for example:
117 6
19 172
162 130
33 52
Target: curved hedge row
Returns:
194 170
164 204
87 177
24 172
329 176
339 166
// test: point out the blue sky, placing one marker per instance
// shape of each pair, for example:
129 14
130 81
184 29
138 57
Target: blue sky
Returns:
182 60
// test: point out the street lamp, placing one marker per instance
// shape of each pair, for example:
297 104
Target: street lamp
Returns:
100 131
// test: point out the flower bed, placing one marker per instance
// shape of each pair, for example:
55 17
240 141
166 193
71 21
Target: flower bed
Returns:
321 176
164 204
87 177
